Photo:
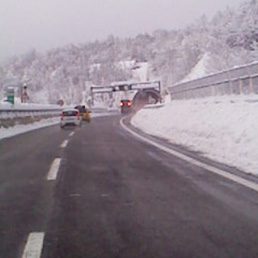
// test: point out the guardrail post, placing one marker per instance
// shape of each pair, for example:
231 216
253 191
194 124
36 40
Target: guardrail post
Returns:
230 83
240 85
250 81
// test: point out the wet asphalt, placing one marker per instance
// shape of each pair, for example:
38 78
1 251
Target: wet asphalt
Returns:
115 196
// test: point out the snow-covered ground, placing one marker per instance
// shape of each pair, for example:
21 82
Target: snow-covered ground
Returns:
18 129
141 73
222 128
199 70
21 106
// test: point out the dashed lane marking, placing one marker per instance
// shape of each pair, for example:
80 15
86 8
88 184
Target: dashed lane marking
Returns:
64 144
34 245
228 175
71 134
52 174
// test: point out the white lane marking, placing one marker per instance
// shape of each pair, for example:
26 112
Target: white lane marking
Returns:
75 195
52 174
34 245
193 161
64 144
71 134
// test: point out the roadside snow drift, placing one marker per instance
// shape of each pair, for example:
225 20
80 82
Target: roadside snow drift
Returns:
19 129
222 128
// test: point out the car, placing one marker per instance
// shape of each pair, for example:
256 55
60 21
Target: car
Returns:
70 116
126 106
84 112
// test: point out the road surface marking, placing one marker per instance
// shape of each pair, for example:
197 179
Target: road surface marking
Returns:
193 161
64 144
71 134
75 195
52 174
34 245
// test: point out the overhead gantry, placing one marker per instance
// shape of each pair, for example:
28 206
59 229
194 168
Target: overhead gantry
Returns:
144 92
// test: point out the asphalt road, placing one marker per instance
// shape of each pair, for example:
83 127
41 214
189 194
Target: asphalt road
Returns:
115 196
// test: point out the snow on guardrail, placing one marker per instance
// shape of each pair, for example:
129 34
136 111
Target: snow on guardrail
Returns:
235 81
26 113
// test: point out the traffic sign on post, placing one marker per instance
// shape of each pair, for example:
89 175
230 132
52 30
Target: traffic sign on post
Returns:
10 95
24 94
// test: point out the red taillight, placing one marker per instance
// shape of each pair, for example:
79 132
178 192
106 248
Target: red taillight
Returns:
121 104
129 103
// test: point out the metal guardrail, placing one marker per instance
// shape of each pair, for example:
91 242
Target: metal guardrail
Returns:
23 115
240 80
13 113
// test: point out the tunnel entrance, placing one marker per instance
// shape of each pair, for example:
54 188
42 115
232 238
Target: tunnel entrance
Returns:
146 92
148 96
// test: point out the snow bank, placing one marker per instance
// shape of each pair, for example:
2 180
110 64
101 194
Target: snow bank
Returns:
222 128
27 106
18 129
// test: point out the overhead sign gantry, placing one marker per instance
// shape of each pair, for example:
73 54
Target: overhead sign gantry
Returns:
127 86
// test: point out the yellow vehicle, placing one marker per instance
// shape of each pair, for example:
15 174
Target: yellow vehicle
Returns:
86 115
84 112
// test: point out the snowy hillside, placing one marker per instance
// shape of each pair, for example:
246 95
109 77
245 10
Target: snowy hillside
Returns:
209 45
199 70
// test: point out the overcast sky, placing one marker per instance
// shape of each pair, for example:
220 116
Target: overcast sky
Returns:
44 24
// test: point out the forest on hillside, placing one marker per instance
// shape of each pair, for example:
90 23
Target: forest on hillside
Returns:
228 39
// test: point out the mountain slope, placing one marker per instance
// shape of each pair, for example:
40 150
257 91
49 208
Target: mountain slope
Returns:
230 38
